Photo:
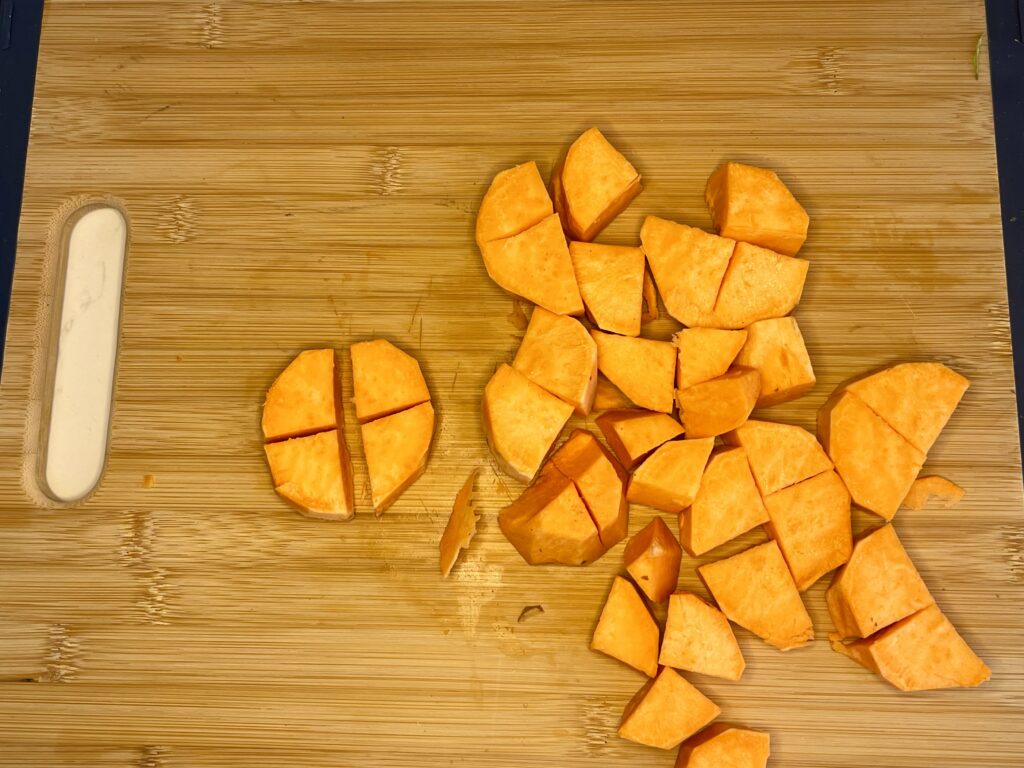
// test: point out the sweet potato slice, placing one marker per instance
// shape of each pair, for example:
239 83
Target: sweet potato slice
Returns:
396 449
755 590
759 284
877 587
559 355
776 349
705 354
522 421
919 653
652 558
608 397
876 463
947 493
596 183
779 454
535 265
461 525
720 405
915 399
599 480
642 368
811 523
698 638
385 380
688 265
516 200
313 473
666 711
727 504
722 745
633 434
752 204
626 631
303 398
670 477
611 281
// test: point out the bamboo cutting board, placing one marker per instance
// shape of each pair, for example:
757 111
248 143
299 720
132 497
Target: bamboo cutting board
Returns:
305 174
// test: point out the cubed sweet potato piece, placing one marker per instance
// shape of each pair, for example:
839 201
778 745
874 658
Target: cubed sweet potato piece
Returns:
947 493
666 711
461 525
522 421
876 463
385 380
811 523
644 369
698 638
670 477
516 200
626 631
611 280
722 745
396 449
776 349
878 586
633 434
535 264
303 398
759 284
727 504
559 355
779 454
705 354
755 590
752 204
314 474
652 558
688 265
608 397
596 183
915 399
600 481
922 652
720 405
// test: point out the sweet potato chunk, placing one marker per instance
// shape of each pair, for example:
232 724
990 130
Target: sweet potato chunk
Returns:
725 746
313 473
599 480
779 454
688 265
670 477
396 449
876 463
385 380
607 396
924 489
915 399
522 421
596 183
720 405
705 354
632 434
752 204
698 638
759 284
776 349
666 711
755 590
461 525
516 200
558 354
626 631
642 368
611 280
877 587
919 653
302 399
652 558
727 504
811 523
535 264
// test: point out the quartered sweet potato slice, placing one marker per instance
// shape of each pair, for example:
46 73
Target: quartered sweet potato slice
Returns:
611 281
698 638
706 353
385 380
946 493
644 369
313 473
776 349
652 558
303 398
670 477
626 631
759 284
516 200
633 434
720 405
396 449
559 355
722 745
779 454
600 481
666 711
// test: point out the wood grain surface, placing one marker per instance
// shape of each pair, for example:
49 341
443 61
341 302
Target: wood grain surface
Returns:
305 174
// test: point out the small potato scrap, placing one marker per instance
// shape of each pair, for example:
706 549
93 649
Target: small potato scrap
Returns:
461 525
776 349
600 482
633 434
559 355
720 405
626 631
670 477
780 455
607 396
706 353
611 280
758 285
650 293
303 398
698 638
643 369
666 711
652 558
313 473
396 448
516 200
946 493
385 380
721 745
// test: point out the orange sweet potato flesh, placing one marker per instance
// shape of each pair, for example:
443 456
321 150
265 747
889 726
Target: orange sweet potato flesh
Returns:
396 449
922 652
722 745
608 397
535 265
600 482
650 304
652 558
303 398
728 503
666 711
776 349
947 493
559 355
670 477
522 421
759 284
811 523
706 353
633 434
779 454
720 405
461 525
644 369
626 631
877 587
698 638
314 474
516 200
755 590
385 380
752 204
611 281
